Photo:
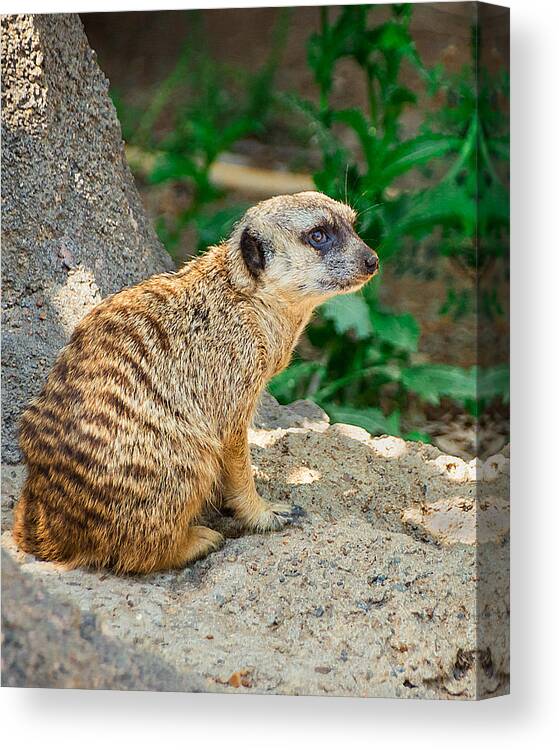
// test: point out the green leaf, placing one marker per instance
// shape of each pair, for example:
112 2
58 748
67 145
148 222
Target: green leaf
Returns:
433 381
238 129
493 382
448 205
415 152
348 313
372 420
389 372
418 437
399 95
402 331
170 166
390 36
355 119
430 382
434 77
283 385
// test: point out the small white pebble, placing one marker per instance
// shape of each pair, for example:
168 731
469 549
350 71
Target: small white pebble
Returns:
353 432
475 470
494 466
303 475
455 468
389 447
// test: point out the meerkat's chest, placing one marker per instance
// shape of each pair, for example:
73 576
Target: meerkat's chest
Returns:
279 334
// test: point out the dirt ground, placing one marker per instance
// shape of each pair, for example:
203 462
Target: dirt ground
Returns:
392 581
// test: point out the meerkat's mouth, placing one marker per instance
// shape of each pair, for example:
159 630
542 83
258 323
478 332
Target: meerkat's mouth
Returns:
347 285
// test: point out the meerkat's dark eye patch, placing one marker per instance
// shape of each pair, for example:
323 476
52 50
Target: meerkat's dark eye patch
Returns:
321 238
252 250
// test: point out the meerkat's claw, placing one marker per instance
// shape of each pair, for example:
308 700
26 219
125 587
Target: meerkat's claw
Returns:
297 512
273 517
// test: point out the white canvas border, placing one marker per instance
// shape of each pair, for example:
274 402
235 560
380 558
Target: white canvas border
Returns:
86 719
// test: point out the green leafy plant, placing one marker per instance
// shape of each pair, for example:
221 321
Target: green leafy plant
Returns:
211 107
362 361
368 370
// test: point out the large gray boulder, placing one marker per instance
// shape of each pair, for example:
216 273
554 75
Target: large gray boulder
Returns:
73 228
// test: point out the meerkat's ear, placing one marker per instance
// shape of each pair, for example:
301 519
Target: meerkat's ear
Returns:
252 250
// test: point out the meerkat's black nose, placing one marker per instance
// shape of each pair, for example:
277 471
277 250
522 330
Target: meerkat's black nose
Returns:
371 262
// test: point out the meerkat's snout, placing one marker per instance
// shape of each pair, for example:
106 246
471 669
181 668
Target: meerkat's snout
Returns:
370 261
366 264
356 265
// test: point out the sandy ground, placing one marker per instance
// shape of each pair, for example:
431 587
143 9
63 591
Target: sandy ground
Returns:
392 580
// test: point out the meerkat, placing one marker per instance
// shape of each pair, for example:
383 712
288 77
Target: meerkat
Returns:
145 412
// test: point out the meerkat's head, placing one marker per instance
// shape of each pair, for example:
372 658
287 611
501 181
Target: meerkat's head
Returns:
302 246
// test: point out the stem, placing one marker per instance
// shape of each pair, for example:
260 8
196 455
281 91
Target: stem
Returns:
356 365
324 26
331 388
324 22
468 145
487 158
319 373
373 107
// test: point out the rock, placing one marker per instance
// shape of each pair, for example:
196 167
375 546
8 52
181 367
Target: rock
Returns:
454 468
73 228
47 642
272 421
300 414
356 433
382 568
12 480
495 465
454 520
389 446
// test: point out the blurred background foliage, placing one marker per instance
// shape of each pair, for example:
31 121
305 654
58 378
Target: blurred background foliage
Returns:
440 192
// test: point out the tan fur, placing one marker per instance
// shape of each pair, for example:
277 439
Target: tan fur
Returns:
145 413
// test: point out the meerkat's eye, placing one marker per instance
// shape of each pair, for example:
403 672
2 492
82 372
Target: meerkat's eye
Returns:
319 238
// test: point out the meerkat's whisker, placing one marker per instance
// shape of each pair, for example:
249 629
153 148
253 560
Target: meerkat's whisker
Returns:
361 213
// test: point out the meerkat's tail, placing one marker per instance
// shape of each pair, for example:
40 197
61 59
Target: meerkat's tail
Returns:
25 526
32 531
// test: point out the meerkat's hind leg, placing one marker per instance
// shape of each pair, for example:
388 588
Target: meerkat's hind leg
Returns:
195 543
199 542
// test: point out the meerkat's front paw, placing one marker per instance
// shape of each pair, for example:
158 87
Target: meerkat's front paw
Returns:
272 517
259 515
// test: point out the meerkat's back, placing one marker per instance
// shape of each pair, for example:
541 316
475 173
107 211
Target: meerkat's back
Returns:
120 436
